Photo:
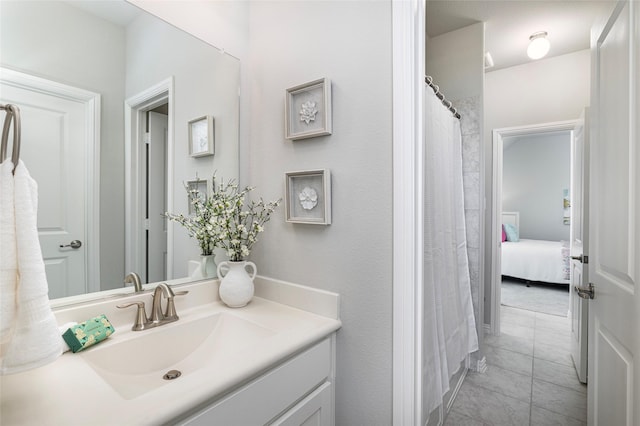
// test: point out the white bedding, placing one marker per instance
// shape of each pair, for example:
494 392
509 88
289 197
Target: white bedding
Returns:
534 260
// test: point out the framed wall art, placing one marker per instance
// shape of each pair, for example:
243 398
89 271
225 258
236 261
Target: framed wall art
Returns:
308 110
308 197
196 185
201 136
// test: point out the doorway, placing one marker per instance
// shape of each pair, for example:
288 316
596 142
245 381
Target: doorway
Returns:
532 259
155 189
535 220
149 176
509 137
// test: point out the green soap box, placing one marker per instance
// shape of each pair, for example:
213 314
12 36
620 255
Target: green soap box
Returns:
88 333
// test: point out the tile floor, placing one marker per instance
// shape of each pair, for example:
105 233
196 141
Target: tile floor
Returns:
530 378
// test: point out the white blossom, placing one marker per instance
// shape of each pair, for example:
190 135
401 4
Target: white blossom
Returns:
226 219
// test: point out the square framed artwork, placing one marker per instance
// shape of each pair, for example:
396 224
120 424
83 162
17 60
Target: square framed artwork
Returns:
308 197
308 110
201 136
196 185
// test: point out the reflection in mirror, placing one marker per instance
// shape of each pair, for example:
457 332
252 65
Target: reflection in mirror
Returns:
92 79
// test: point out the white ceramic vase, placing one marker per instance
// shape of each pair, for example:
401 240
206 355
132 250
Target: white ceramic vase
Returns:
236 285
208 266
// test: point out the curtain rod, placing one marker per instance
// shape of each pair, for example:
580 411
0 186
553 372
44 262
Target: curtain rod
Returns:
429 80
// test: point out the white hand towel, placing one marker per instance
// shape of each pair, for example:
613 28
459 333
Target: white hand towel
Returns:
8 252
35 339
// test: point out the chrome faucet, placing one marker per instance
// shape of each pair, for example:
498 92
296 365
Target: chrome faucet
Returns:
158 317
133 278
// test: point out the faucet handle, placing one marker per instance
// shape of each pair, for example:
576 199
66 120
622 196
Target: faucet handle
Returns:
170 313
141 321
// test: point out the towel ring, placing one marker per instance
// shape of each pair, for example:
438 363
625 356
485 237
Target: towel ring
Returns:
12 114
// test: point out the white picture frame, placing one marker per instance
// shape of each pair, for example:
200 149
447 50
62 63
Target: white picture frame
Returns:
201 136
308 197
202 188
308 110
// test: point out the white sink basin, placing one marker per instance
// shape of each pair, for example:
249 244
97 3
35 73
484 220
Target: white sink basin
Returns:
136 365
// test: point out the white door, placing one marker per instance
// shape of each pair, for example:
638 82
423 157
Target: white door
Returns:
578 306
53 149
614 232
156 252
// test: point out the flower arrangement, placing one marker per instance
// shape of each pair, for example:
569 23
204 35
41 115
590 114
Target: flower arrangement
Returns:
239 222
226 220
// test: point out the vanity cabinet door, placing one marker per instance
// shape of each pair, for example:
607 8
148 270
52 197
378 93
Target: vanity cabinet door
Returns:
263 399
315 410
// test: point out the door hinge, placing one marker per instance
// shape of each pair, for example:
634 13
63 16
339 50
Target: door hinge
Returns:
145 223
147 138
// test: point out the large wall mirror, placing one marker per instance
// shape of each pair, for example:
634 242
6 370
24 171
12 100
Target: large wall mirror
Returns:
107 92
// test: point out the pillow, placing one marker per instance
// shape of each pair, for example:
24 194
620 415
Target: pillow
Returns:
504 235
512 232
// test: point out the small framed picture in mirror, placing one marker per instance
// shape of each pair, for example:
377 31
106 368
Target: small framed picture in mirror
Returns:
196 192
201 136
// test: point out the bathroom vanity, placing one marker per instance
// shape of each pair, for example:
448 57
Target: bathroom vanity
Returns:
271 362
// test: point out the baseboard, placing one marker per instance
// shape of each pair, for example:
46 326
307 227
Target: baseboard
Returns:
454 393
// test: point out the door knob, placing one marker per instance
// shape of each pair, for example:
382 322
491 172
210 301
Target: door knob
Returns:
75 244
582 258
585 292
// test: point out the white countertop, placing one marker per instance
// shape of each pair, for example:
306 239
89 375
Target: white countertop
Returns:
70 392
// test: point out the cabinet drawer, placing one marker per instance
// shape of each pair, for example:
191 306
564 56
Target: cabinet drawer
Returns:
270 394
315 410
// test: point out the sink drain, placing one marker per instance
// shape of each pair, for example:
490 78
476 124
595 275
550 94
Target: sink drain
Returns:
172 374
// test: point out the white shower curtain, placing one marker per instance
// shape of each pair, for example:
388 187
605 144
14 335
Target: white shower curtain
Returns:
449 329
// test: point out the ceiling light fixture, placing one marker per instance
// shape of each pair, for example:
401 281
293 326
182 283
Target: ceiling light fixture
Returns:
538 45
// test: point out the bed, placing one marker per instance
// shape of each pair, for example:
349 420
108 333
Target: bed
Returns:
534 260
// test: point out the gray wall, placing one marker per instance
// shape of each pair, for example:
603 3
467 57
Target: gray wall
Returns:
536 170
41 38
280 45
543 91
456 61
293 42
